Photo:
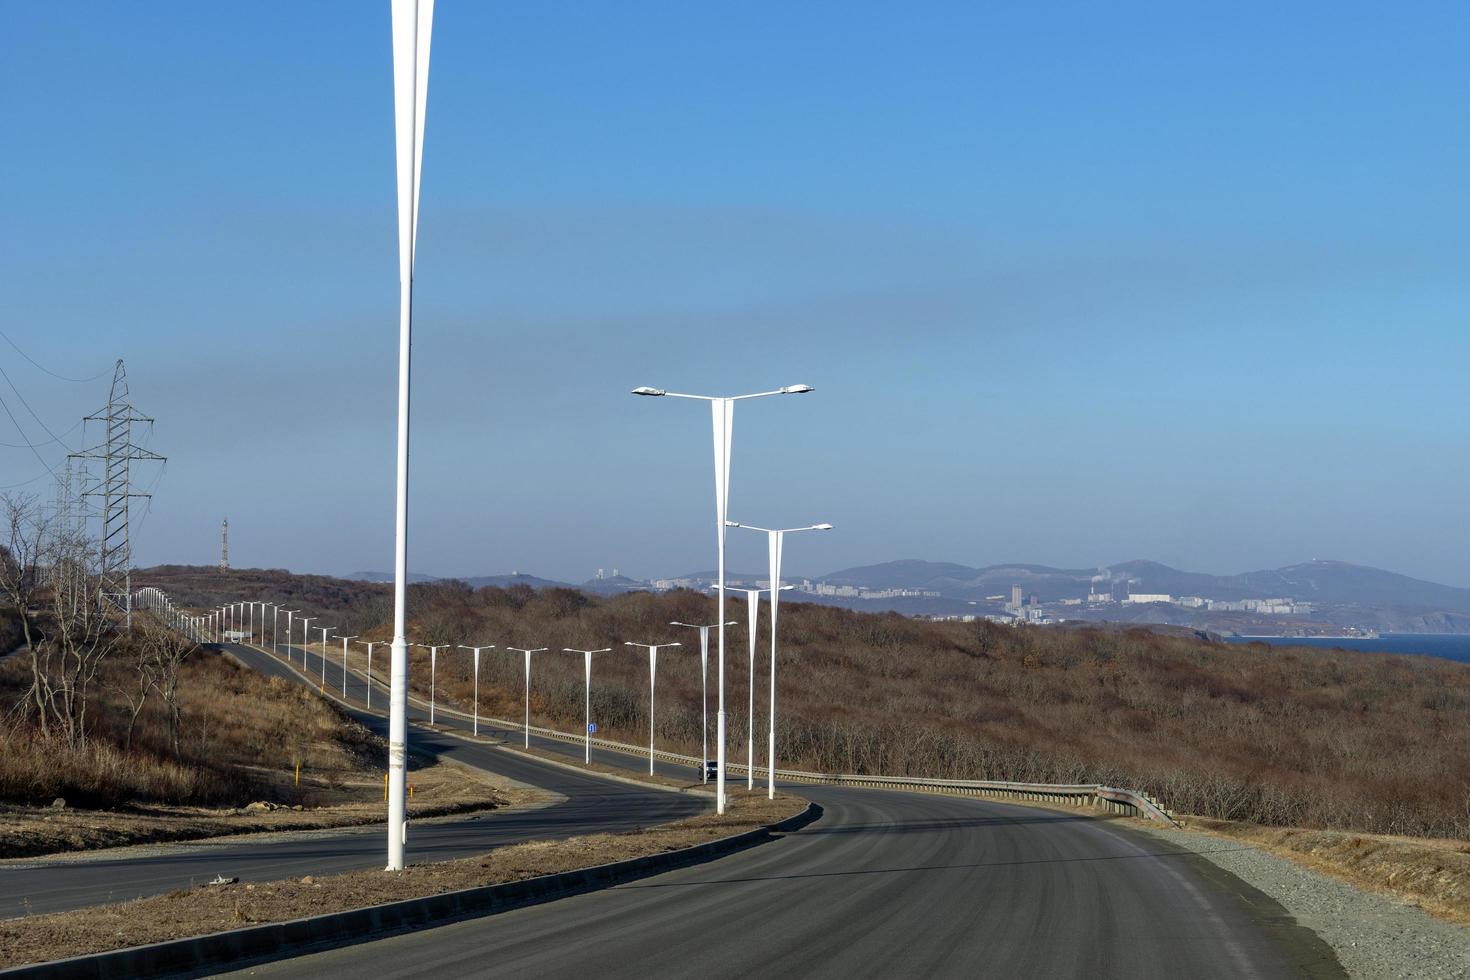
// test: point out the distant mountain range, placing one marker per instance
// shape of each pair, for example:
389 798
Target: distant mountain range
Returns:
1335 583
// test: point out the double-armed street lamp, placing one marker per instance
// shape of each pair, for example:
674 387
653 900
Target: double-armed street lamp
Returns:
704 690
775 539
527 655
653 649
290 613
476 650
433 649
587 698
722 416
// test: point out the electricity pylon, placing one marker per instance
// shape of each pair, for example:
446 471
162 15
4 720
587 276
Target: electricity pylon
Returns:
117 452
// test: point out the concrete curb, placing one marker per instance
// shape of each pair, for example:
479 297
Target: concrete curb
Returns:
279 940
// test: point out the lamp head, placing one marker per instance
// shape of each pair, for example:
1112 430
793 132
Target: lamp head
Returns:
796 389
821 527
651 392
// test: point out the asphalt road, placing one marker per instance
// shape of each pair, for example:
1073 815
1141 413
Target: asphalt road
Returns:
885 884
592 804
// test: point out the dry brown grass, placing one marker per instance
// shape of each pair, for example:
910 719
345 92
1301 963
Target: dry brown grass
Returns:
1296 736
1429 872
209 909
243 735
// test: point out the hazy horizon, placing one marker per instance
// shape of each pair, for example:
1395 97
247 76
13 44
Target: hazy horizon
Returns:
1074 289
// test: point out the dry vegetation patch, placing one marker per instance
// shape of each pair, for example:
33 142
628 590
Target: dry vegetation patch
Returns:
209 909
1277 736
1432 873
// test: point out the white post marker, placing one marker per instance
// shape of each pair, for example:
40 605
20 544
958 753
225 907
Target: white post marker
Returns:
488 646
413 22
652 649
586 699
774 540
722 415
344 663
527 654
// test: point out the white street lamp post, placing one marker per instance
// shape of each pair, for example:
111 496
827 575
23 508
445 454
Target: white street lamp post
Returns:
289 614
344 663
704 687
433 672
653 649
413 22
527 654
722 415
370 644
752 602
587 698
488 646
325 630
775 540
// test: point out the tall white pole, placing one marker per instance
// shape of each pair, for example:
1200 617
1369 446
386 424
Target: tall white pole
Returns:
528 698
722 413
774 540
344 664
325 630
704 702
370 677
289 614
305 639
412 26
652 673
433 673
275 629
477 692
752 609
587 708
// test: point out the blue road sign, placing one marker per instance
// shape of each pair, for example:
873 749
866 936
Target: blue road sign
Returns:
592 728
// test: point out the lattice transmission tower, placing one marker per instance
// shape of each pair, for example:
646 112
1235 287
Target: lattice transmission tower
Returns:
117 452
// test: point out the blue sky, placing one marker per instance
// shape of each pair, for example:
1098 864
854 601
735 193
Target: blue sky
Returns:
1075 285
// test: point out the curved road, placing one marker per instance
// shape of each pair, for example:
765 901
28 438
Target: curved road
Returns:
884 884
591 804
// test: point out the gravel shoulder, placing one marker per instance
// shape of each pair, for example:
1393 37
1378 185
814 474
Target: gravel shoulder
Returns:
1375 937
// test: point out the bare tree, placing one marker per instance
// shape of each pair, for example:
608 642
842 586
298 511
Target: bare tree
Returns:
21 581
140 681
168 650
83 634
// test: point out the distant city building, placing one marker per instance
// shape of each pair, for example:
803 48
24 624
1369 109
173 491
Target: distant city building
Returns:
1145 597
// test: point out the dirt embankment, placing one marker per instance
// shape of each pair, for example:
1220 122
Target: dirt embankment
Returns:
207 908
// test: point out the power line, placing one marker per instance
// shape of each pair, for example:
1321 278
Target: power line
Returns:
29 445
59 377
21 445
